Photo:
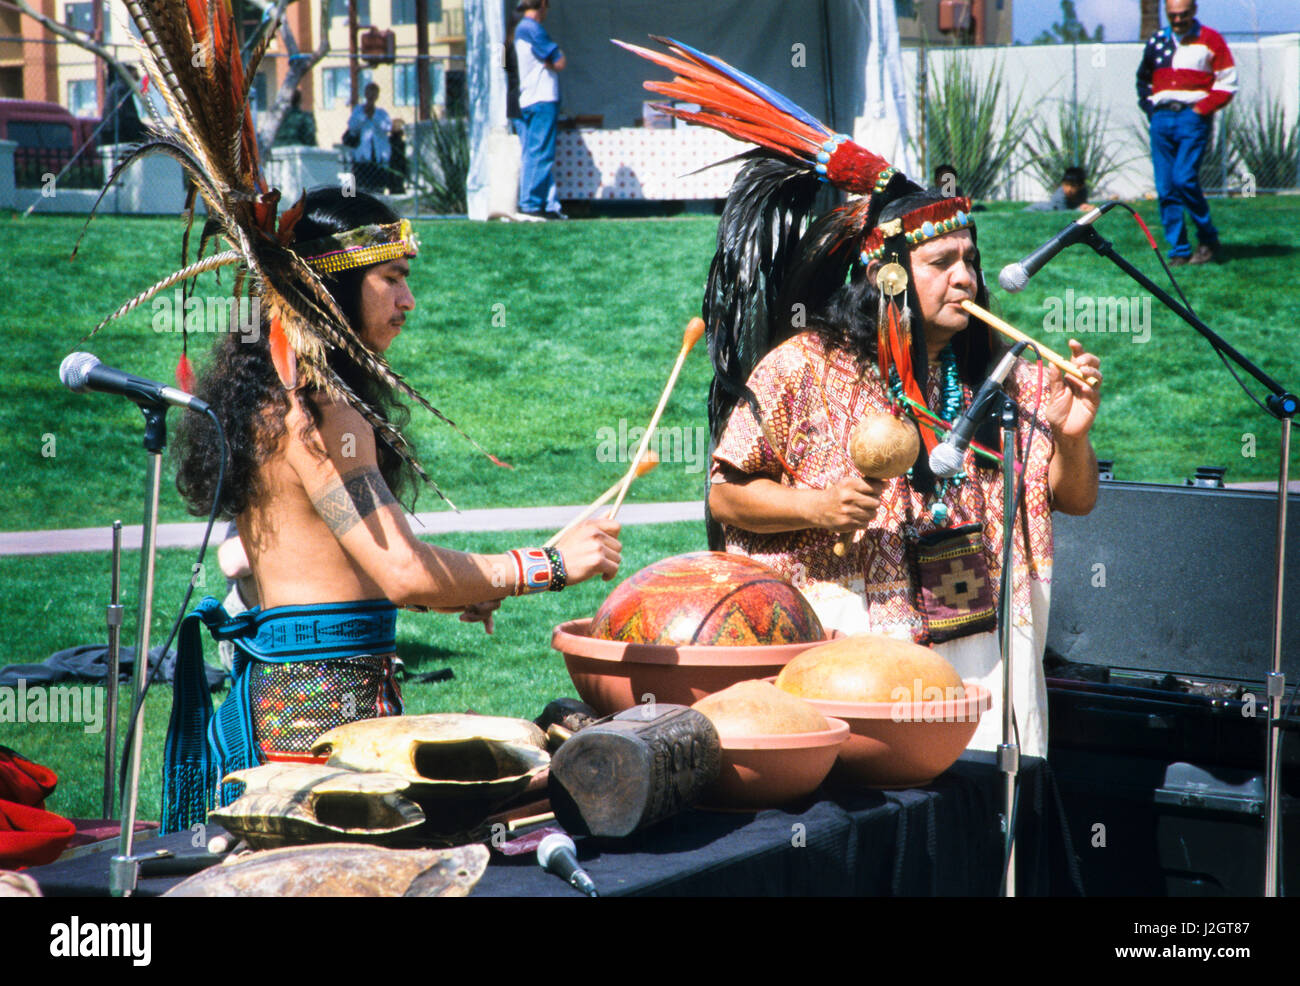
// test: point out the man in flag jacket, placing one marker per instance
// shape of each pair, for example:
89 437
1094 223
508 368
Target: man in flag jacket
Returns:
1187 74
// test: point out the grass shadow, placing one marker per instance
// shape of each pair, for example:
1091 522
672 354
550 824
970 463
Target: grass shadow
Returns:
1252 251
425 657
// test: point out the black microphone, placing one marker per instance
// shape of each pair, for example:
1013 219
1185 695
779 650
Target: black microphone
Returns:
557 854
1014 276
948 455
81 372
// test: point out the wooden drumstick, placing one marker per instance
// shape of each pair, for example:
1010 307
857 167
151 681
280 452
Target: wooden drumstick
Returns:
694 330
644 466
1011 332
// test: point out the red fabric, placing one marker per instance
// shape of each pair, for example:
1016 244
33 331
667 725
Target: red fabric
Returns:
30 836
24 782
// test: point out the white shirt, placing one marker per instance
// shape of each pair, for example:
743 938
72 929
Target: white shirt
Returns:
534 49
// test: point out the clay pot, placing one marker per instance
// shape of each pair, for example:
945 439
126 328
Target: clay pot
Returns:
904 744
613 675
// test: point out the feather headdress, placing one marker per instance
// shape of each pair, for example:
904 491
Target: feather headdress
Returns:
191 53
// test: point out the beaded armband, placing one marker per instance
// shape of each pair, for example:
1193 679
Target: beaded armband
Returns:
538 570
532 570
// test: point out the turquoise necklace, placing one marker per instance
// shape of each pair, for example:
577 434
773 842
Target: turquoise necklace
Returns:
951 399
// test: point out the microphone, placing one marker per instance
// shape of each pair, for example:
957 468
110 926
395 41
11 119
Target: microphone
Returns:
557 854
81 372
948 455
1014 276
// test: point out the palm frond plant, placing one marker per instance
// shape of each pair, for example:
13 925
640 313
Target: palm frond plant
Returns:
1079 137
442 162
966 129
1219 165
1268 148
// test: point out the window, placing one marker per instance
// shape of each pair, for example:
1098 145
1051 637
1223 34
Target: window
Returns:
407 93
82 100
339 8
905 8
337 92
404 11
80 17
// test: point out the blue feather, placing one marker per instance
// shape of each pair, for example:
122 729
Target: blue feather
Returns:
763 92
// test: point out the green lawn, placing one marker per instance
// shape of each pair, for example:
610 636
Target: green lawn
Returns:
541 340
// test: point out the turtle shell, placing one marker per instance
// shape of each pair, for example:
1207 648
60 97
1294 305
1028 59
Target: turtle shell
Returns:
341 871
292 804
458 766
707 597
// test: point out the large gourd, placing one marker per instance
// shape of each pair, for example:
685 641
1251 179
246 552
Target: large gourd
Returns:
870 668
758 708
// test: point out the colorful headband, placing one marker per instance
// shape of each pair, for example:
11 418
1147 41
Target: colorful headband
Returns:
360 247
931 220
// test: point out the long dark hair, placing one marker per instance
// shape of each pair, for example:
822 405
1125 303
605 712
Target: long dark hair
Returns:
241 385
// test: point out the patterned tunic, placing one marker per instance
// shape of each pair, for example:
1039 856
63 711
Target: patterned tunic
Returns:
810 400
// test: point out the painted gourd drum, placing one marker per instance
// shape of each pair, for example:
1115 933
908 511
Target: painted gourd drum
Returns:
707 598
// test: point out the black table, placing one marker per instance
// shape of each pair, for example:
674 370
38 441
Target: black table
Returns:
939 840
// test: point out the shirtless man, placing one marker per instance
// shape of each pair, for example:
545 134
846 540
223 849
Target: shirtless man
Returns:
315 497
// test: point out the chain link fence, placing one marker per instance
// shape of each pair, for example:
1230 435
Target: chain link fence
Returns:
1009 121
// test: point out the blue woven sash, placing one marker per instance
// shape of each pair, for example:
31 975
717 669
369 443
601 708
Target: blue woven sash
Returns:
203 747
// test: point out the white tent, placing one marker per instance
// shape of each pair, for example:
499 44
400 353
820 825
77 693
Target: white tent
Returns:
839 59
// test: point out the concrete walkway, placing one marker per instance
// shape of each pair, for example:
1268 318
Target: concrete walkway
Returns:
190 535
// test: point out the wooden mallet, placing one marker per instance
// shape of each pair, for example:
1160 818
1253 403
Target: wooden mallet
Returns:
694 330
648 462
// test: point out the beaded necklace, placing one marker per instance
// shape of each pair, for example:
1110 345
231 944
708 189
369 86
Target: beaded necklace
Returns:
951 400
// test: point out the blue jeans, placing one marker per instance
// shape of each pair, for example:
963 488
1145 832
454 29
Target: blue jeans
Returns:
537 177
1178 143
552 198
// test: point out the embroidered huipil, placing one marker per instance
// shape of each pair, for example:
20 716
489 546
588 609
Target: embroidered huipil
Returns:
810 401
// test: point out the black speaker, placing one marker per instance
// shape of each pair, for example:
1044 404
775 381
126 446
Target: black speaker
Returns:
1159 641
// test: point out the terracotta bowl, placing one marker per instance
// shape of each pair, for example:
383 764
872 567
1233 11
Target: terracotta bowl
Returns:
904 744
612 675
769 771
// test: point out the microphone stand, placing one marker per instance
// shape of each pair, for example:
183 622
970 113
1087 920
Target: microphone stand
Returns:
1009 749
1282 405
123 869
114 620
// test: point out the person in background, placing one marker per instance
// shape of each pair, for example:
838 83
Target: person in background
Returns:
1187 74
1071 194
397 162
298 128
539 60
368 129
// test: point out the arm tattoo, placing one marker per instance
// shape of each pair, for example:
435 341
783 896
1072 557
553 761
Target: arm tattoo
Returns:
347 503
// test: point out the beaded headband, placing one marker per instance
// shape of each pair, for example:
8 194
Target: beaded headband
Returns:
931 220
360 247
